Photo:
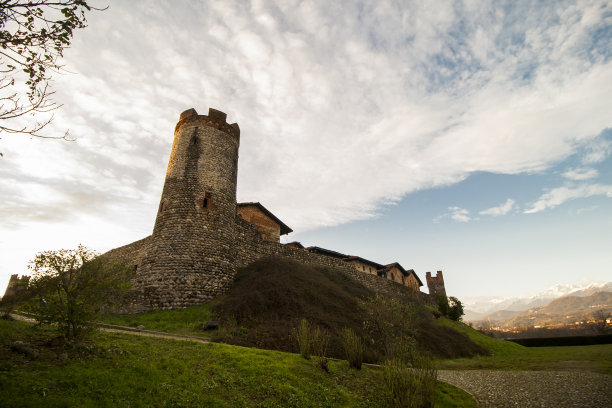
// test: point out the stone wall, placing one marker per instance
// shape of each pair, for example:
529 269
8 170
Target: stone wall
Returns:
250 247
200 238
131 253
412 282
190 256
362 266
435 284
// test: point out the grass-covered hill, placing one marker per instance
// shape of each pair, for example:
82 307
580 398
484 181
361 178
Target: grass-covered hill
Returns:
272 295
124 370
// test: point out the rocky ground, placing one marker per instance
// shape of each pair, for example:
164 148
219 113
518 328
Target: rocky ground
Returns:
533 388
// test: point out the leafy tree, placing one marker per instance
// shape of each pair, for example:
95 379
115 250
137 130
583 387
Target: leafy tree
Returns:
33 37
450 307
70 287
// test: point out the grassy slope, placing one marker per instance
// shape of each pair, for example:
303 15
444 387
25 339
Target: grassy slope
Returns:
507 355
123 370
181 321
271 296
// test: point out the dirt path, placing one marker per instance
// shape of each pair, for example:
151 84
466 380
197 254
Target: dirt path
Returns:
130 330
557 389
491 388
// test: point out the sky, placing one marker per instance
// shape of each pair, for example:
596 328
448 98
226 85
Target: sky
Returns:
464 136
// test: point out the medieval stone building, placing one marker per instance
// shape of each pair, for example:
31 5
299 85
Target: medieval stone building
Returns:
201 235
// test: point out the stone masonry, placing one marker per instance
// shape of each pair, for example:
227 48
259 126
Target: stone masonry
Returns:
199 239
435 284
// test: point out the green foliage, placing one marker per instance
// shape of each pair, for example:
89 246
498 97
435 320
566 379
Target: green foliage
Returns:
270 297
320 341
592 358
303 335
390 324
71 288
120 370
410 379
33 37
495 346
187 321
450 307
353 347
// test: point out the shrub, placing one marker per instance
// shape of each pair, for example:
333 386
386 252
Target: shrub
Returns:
70 288
410 380
389 323
320 341
354 347
304 338
450 307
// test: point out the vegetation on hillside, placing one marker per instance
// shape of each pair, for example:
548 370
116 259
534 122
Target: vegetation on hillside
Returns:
271 296
113 369
70 288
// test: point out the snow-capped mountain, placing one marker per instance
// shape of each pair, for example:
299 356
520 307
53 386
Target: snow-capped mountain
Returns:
478 307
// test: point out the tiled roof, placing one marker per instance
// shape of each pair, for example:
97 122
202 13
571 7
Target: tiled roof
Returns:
284 229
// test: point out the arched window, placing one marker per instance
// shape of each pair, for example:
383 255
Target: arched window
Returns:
163 205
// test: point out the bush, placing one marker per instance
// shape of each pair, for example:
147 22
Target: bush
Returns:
320 341
304 338
390 323
313 341
354 347
450 307
410 380
70 288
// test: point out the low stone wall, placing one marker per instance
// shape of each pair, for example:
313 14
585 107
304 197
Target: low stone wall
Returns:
250 247
131 253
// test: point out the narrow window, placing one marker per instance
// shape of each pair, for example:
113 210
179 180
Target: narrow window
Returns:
206 202
162 205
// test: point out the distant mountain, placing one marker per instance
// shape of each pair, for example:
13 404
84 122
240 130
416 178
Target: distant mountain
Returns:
478 308
564 310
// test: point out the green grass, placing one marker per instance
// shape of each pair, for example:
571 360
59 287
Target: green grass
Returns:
596 358
125 370
497 347
186 321
506 355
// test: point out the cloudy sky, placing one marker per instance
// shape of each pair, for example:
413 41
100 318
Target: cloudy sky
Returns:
470 137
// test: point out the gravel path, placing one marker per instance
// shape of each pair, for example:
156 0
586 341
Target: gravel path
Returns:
533 388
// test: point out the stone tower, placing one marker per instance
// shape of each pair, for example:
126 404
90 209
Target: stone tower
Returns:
435 284
189 259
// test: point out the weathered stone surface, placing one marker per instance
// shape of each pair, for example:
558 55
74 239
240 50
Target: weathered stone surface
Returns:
435 284
199 239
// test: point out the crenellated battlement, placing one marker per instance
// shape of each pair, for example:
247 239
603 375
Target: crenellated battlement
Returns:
201 234
435 284
215 119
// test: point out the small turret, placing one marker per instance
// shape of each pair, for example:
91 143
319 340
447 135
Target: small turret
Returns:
435 284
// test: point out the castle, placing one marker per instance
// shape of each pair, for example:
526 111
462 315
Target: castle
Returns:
201 234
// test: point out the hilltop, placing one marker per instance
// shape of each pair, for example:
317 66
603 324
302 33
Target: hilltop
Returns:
271 296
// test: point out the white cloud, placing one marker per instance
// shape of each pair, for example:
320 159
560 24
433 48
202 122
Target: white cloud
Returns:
560 195
581 174
597 151
503 209
343 108
457 214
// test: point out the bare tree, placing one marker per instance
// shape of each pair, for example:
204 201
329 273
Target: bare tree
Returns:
33 37
600 324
